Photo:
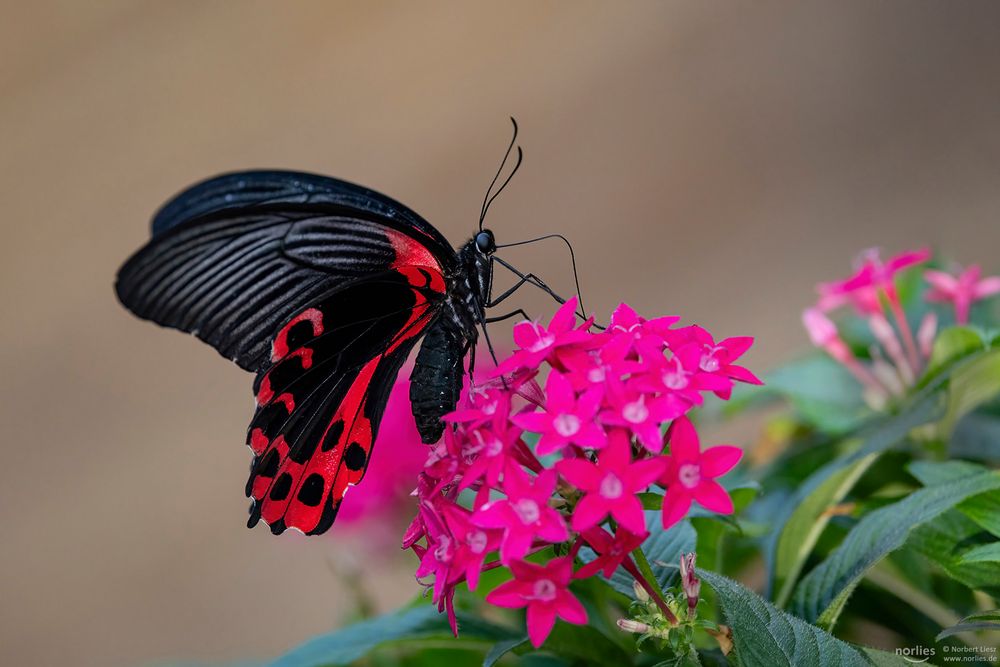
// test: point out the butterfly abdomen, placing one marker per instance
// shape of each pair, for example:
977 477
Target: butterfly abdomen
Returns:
436 380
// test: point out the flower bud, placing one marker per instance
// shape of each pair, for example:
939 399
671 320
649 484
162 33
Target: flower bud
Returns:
689 582
628 625
640 593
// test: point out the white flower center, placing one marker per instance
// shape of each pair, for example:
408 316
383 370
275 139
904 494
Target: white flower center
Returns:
527 511
709 363
566 425
489 408
476 542
442 553
544 590
545 339
597 374
635 413
689 475
611 487
676 379
494 446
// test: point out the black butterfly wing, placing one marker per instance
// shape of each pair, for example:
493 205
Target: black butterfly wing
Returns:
321 401
320 286
236 256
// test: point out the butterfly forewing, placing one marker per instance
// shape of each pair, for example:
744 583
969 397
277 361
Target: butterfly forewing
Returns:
319 286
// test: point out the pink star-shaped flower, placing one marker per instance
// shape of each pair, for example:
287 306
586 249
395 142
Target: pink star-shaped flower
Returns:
717 358
487 451
641 413
524 514
961 290
610 485
862 289
470 544
611 550
544 590
481 406
436 559
567 419
691 473
628 331
536 342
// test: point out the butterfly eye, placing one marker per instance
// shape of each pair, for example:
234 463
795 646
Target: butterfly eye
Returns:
485 242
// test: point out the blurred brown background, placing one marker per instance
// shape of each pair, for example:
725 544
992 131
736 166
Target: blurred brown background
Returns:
712 160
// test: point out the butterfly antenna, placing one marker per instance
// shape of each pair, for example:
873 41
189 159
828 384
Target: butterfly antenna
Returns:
487 200
572 259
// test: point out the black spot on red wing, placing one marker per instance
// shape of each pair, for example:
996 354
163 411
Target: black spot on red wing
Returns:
311 492
281 487
328 517
300 334
355 456
303 450
269 464
278 527
333 434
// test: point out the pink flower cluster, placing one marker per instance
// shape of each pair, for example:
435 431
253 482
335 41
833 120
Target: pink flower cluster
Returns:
521 469
899 355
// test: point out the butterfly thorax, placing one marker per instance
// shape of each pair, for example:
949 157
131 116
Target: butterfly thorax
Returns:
436 381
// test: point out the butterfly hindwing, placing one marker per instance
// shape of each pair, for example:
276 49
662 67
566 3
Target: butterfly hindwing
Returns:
321 400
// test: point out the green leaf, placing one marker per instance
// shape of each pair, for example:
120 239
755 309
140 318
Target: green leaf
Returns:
800 520
765 636
952 344
822 391
821 594
977 436
886 659
986 553
661 545
576 642
944 541
983 509
984 620
973 382
806 524
500 649
418 623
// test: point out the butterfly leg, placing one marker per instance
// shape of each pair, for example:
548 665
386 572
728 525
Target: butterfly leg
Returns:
501 318
531 280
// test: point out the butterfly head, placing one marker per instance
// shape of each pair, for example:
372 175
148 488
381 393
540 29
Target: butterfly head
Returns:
485 243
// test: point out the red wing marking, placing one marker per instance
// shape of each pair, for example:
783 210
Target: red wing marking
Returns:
304 492
416 262
279 348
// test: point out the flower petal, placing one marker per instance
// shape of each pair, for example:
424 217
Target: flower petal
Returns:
684 445
589 512
565 317
570 609
580 473
987 287
628 512
541 618
717 461
509 594
737 346
712 496
676 503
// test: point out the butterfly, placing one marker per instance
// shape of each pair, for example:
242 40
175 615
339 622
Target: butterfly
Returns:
322 288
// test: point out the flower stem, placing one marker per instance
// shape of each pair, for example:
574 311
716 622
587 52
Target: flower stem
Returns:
897 312
643 574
